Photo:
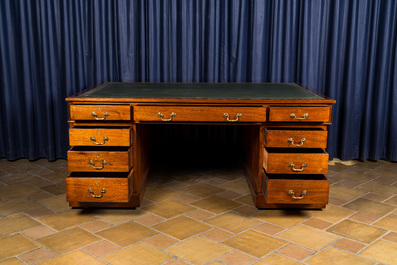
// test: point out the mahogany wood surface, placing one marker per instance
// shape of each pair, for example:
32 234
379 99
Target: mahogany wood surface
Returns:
98 112
103 136
301 138
315 114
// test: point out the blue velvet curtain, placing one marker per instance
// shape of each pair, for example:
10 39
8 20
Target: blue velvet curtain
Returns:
51 49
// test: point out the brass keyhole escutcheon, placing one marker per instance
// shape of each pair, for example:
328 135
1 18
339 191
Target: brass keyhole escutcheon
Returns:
299 111
99 133
298 157
100 109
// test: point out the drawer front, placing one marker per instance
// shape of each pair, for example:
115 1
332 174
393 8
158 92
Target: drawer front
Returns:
100 137
296 138
99 161
95 189
100 112
299 114
296 191
199 114
295 163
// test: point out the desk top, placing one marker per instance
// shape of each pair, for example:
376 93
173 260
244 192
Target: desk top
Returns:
197 92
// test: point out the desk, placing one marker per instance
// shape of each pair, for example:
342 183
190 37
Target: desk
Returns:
284 131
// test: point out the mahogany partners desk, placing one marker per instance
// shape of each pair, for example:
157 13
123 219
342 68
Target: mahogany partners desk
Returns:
284 128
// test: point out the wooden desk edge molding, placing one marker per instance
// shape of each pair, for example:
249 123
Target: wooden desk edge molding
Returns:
285 138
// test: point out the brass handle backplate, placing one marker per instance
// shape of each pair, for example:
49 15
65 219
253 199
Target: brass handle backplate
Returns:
293 116
97 196
92 163
161 116
297 169
93 114
292 193
238 116
291 141
105 139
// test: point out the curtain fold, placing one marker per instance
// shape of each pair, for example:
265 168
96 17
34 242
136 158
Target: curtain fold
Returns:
51 49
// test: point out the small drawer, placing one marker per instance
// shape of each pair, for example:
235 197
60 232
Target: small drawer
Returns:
295 161
99 187
282 189
299 114
199 114
84 136
100 112
84 159
290 138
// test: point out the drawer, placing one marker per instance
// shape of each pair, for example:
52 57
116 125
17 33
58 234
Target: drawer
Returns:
295 161
95 187
85 136
84 159
100 112
282 189
299 114
290 138
199 114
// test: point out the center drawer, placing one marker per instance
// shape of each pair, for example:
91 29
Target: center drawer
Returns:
86 136
99 187
199 114
100 159
295 161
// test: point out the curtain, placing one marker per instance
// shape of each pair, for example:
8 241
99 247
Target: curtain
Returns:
51 49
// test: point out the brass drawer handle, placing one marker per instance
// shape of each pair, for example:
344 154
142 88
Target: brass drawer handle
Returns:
105 139
161 116
97 196
293 116
291 141
93 114
92 163
292 193
297 169
238 116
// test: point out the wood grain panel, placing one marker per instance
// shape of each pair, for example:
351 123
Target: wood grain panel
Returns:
100 112
300 138
297 114
103 136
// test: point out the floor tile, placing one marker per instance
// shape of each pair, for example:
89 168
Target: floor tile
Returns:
295 252
269 229
198 250
276 259
228 194
127 233
16 244
177 262
332 213
39 196
202 190
345 193
63 220
161 241
161 193
117 216
375 197
358 231
246 199
317 223
249 241
39 231
16 191
68 240
141 254
55 189
363 218
186 198
392 236
169 208
200 215
37 256
216 204
378 187
233 222
239 186
388 222
286 218
237 258
57 203
369 207
73 258
247 210
15 223
392 201
331 256
101 248
182 227
149 220
12 261
217 234
16 206
299 235
349 245
95 226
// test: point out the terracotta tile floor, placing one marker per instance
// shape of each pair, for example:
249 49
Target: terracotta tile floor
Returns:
198 216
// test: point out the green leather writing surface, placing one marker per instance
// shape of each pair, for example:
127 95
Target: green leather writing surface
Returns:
201 90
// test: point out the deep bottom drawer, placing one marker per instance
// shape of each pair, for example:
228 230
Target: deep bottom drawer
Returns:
90 187
307 189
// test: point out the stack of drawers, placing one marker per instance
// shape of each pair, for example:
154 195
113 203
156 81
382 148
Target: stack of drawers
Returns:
294 159
101 156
